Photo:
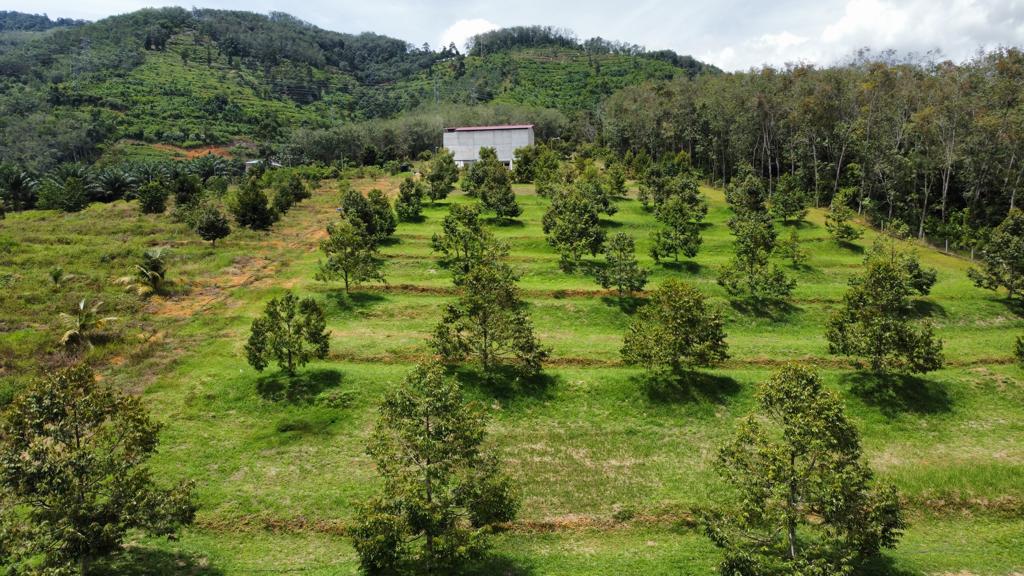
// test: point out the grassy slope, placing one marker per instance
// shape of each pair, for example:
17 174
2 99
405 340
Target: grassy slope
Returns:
278 480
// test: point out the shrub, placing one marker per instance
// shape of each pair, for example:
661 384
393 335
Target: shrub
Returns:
675 331
409 205
153 197
250 207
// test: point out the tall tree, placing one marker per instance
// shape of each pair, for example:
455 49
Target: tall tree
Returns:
1002 258
351 254
73 454
443 491
877 318
573 227
488 322
675 331
750 273
441 175
621 270
806 503
291 332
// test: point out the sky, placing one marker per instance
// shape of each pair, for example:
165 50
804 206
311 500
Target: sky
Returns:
732 34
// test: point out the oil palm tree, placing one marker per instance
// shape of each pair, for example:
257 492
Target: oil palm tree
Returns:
83 323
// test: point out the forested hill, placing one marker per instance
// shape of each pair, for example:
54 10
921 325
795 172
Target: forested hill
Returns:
19 21
193 77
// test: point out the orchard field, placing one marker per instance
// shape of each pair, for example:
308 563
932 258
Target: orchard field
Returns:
610 469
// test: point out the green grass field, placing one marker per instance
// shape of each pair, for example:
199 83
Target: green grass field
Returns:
609 471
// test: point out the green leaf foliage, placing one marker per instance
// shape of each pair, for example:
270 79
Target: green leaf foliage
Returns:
291 332
351 255
488 322
789 202
251 207
211 224
441 175
675 331
372 213
593 185
877 321
1002 258
153 197
463 239
409 205
73 456
442 492
573 227
621 270
839 216
68 189
750 274
805 502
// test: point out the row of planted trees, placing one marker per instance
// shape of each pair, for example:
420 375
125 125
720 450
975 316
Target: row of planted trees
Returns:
933 143
804 501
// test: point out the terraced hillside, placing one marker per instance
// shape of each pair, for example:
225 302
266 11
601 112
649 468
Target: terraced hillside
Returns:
609 469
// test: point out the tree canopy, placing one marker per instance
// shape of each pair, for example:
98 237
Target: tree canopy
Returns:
805 502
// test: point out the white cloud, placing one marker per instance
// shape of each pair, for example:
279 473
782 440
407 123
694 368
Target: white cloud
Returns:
463 30
955 27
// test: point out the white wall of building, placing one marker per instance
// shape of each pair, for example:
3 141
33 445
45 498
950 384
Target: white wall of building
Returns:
465 145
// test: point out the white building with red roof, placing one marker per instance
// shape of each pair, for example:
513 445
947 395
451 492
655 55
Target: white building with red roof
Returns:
465 142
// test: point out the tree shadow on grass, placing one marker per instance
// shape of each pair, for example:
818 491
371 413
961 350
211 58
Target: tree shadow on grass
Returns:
798 224
927 308
688 266
883 565
354 300
506 383
895 394
1015 305
690 386
498 565
302 387
505 222
605 223
855 248
774 310
628 304
138 561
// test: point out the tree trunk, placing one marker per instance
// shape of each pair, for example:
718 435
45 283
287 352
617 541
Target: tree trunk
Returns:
430 500
814 159
839 168
791 503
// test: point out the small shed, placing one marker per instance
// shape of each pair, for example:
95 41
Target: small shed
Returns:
465 142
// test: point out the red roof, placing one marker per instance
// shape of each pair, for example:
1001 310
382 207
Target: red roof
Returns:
501 127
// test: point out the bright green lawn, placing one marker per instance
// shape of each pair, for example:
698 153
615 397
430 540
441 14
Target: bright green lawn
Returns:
591 443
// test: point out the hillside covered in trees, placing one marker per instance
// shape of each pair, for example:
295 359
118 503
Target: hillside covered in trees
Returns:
203 77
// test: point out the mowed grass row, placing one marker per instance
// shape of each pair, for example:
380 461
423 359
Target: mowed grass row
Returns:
974 546
590 447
